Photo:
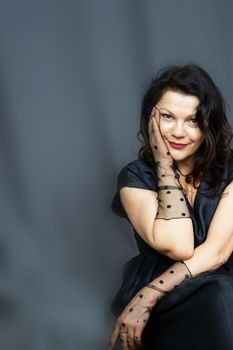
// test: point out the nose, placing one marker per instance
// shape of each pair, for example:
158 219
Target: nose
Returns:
178 130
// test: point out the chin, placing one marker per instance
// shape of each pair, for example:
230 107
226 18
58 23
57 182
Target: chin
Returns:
178 159
178 156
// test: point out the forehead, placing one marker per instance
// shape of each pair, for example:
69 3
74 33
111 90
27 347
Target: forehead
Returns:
178 102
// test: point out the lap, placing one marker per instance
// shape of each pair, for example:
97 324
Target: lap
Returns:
198 315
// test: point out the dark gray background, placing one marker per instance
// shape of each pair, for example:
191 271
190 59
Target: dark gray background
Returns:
72 78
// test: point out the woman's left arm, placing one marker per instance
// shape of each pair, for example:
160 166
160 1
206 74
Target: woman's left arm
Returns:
208 256
218 246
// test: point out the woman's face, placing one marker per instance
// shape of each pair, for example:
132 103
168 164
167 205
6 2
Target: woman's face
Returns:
178 125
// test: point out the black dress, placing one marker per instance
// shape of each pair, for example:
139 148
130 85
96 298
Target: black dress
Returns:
198 313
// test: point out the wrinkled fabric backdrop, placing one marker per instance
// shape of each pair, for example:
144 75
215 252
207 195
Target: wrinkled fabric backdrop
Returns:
73 74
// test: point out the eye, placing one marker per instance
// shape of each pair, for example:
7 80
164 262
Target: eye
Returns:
166 116
193 122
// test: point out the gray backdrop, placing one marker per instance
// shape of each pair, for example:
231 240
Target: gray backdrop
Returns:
72 78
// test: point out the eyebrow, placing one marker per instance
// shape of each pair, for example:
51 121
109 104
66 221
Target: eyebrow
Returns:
192 115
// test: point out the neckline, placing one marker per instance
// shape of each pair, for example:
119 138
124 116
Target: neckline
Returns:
196 196
197 193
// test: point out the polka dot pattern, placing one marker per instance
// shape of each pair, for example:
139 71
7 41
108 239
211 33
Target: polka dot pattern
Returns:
169 197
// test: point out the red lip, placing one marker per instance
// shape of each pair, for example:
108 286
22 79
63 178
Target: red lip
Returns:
177 145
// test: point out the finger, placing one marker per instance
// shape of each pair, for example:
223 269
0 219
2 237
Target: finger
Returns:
152 112
151 132
115 334
151 118
139 330
157 114
124 341
131 338
137 336
155 137
151 122
155 119
158 136
157 133
152 140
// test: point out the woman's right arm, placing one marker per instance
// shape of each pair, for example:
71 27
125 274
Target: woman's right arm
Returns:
161 218
173 238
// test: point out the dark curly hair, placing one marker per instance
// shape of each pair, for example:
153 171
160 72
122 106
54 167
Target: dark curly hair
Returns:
215 152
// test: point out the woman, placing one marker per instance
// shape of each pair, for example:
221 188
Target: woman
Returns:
178 196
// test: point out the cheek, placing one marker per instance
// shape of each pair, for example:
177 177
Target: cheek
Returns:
164 128
198 139
196 135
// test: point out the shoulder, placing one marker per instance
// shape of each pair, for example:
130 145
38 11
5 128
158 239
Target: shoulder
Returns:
138 173
228 172
225 177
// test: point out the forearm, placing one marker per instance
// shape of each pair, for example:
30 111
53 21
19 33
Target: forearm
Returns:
172 228
205 258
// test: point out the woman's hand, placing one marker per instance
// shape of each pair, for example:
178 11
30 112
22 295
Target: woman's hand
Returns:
159 148
133 319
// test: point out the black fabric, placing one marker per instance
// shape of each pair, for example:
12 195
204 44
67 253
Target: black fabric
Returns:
198 314
136 174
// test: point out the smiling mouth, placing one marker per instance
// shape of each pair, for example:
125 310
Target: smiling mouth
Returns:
177 145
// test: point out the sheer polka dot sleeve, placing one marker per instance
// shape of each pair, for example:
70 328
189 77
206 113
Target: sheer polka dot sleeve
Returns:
171 200
170 279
